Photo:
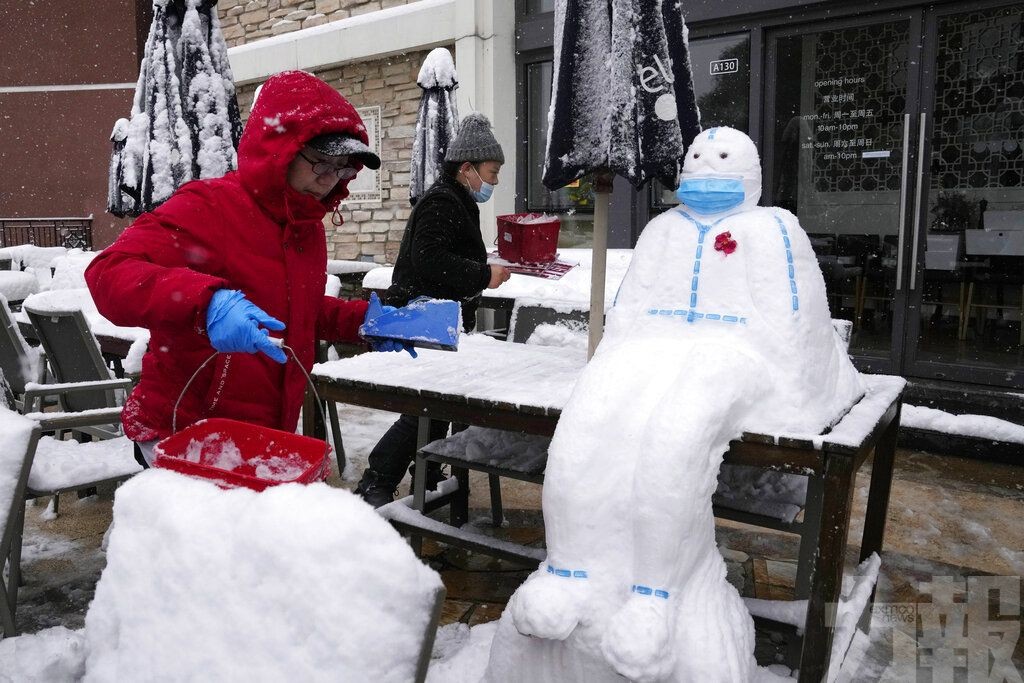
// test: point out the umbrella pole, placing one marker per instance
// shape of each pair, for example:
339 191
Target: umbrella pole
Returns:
603 180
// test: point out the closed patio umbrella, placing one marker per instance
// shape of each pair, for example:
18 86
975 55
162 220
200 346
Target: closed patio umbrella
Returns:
622 103
436 122
185 122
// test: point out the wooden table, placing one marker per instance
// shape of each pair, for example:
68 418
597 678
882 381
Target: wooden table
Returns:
523 388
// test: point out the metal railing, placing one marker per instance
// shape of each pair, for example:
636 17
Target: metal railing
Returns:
70 233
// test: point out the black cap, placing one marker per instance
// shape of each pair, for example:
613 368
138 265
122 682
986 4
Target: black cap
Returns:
340 145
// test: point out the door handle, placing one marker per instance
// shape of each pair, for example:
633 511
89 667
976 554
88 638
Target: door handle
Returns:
917 202
903 202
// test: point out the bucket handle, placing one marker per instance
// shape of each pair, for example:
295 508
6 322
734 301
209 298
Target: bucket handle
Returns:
309 380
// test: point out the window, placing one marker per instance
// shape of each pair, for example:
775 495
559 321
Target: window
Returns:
538 6
721 83
573 203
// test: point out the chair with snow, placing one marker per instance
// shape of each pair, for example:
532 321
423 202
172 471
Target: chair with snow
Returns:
18 437
32 465
89 403
21 363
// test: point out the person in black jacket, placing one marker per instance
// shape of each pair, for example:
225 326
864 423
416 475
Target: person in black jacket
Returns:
442 256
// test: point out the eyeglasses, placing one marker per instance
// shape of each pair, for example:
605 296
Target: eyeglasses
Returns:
343 172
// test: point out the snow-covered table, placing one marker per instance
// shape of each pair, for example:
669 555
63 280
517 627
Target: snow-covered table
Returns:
523 388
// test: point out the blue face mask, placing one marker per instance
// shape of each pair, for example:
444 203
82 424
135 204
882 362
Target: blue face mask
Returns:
711 195
485 191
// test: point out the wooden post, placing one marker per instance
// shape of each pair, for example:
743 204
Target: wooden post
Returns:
603 181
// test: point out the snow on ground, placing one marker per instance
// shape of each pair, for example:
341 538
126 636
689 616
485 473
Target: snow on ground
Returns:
981 426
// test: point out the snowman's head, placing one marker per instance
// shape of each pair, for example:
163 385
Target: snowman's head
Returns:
721 173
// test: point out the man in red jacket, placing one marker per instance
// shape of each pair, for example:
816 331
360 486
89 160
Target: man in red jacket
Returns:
227 262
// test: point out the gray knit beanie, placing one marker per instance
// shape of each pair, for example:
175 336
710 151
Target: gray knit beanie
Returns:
475 141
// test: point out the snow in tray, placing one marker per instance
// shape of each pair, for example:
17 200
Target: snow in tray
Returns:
65 464
216 450
310 579
15 432
574 286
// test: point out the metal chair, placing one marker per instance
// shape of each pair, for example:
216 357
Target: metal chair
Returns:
83 380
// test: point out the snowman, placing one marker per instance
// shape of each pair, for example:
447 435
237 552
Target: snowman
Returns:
720 326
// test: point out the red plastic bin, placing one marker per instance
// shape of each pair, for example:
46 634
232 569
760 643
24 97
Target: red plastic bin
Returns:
237 454
520 242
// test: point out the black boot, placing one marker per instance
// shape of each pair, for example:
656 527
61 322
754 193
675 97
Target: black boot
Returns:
375 490
435 475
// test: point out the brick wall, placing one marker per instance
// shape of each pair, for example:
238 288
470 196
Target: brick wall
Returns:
373 231
244 21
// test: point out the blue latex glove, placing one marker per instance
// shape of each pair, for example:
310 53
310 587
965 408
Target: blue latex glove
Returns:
233 324
392 345
379 344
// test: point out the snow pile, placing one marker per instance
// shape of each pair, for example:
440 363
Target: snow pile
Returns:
69 269
565 335
25 256
65 464
980 426
438 70
54 654
16 285
294 583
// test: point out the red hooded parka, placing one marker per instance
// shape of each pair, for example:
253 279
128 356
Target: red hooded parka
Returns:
249 231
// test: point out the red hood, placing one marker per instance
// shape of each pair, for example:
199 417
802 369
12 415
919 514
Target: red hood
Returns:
292 108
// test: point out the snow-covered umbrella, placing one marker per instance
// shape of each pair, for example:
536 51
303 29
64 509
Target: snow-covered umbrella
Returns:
436 122
185 122
622 103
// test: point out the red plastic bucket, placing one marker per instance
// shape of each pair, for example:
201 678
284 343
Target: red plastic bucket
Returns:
520 242
233 454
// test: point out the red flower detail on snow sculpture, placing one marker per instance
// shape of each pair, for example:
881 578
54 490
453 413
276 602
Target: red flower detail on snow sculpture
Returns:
725 243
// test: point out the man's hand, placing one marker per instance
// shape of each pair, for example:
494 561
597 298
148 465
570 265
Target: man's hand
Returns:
499 274
233 324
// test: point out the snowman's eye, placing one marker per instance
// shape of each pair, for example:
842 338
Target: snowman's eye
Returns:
723 155
696 155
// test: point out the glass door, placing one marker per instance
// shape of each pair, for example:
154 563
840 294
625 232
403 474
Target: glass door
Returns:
839 154
968 283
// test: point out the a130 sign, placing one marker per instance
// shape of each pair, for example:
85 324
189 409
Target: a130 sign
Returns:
720 67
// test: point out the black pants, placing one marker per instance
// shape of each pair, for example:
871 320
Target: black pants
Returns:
392 455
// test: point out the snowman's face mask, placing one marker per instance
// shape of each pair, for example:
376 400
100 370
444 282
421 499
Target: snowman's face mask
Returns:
709 194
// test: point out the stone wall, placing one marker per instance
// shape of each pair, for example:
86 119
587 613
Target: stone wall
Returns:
373 231
244 21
